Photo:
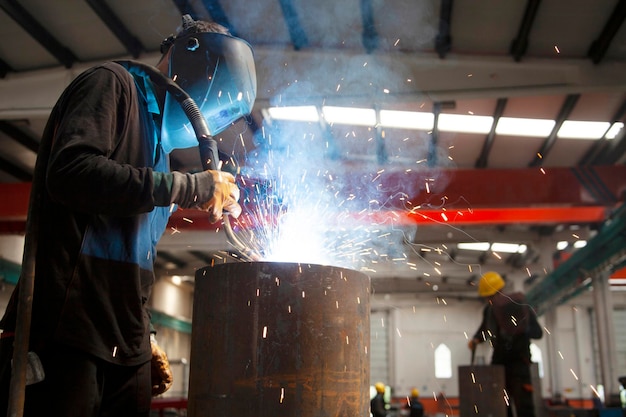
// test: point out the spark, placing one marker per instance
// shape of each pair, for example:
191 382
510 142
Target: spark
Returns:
573 373
556 48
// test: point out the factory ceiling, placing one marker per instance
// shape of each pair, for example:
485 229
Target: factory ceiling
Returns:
554 60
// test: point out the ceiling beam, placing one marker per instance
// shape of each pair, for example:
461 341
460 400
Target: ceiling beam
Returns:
434 136
215 9
297 33
369 35
483 158
4 68
38 32
520 43
104 12
566 110
601 147
184 7
27 139
600 45
15 171
443 40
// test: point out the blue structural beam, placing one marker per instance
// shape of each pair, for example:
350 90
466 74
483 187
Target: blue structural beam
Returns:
605 252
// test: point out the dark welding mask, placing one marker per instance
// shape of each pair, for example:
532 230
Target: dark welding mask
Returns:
218 73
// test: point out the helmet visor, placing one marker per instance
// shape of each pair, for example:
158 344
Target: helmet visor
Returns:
218 73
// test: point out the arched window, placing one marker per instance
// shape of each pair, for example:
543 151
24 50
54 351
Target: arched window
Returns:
537 357
443 362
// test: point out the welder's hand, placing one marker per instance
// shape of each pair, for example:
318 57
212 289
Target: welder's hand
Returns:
473 343
160 370
225 196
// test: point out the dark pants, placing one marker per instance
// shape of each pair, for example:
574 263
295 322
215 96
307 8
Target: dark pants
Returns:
519 386
79 385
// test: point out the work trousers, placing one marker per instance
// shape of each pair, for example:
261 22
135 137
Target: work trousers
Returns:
77 384
518 383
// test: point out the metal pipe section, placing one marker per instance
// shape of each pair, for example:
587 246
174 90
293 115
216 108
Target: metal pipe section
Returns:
280 339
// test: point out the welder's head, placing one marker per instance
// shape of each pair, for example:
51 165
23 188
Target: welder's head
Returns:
490 283
380 387
216 70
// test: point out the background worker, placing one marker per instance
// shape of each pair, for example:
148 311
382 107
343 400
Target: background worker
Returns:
415 406
509 323
101 197
378 406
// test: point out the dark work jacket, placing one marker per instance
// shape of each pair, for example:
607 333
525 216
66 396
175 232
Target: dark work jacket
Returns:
378 406
509 323
98 226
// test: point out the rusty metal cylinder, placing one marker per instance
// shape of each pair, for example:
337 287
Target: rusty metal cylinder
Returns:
279 339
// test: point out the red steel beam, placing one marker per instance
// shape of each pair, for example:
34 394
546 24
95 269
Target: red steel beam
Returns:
487 196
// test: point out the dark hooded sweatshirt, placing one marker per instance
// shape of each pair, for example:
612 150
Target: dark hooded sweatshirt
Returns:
100 200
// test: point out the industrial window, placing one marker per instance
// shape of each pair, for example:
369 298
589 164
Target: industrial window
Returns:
537 357
443 362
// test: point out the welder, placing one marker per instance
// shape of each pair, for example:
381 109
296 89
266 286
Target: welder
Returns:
508 324
101 197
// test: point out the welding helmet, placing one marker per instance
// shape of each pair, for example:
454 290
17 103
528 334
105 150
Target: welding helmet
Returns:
489 284
217 71
380 387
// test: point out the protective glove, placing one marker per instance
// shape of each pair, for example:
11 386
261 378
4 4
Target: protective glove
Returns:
212 191
161 373
225 196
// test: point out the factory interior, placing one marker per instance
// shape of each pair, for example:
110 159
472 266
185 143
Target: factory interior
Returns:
416 144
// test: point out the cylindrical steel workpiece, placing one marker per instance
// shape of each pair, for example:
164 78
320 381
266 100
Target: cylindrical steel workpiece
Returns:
280 339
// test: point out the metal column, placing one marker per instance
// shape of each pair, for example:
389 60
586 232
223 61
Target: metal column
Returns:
603 306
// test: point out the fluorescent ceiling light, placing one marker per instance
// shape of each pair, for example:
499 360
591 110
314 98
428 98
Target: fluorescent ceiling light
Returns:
349 115
615 129
508 247
481 246
448 122
580 244
464 123
524 127
574 129
407 119
298 113
562 245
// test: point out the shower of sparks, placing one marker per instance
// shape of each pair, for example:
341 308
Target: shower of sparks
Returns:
301 206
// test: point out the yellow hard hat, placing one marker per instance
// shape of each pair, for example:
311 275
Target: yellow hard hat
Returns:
489 284
415 392
380 387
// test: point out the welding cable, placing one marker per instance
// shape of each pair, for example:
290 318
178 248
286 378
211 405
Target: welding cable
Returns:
206 144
